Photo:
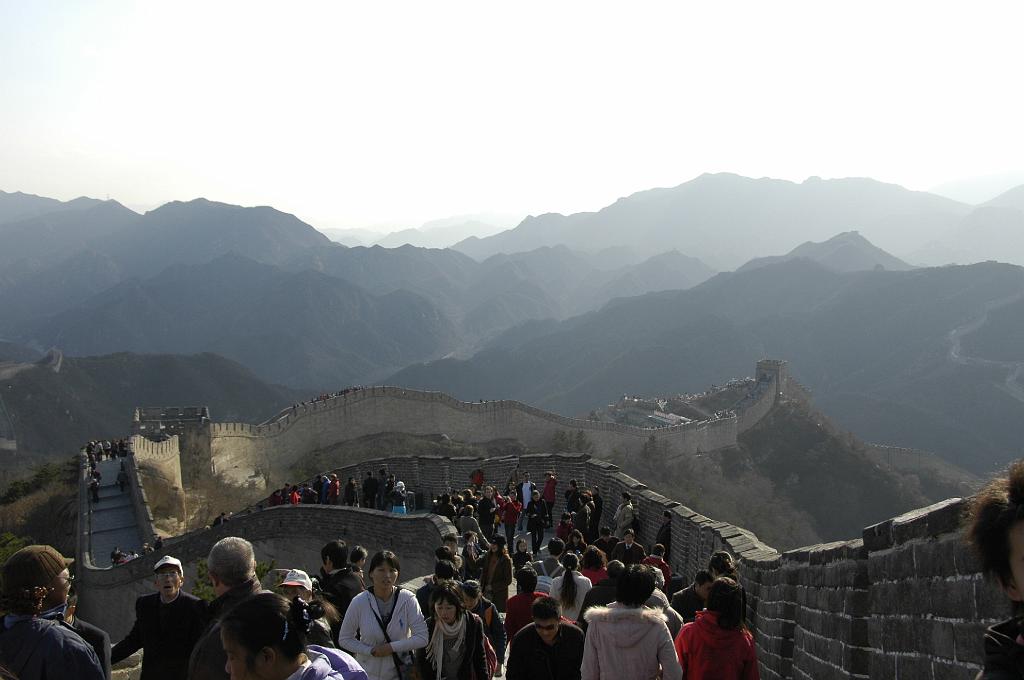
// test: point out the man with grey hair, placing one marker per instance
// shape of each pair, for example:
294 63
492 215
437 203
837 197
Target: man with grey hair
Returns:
232 568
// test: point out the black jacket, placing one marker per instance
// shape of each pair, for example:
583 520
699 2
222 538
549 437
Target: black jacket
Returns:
97 639
474 660
665 538
1004 658
339 588
167 633
687 603
208 656
530 658
602 594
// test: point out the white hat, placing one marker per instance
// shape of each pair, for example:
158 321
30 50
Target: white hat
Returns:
297 577
167 559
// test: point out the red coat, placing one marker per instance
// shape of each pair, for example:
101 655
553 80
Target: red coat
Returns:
660 564
518 612
509 513
708 652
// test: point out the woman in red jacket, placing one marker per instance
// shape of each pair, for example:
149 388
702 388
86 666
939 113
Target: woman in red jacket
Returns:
718 645
509 514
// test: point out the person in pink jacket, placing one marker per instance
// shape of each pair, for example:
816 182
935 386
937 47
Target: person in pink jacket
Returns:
626 639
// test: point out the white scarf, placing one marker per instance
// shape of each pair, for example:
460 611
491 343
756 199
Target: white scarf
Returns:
435 648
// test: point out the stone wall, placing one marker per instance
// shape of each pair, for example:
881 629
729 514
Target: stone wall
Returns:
290 537
245 452
905 600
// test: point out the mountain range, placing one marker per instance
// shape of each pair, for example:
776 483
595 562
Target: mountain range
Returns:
567 312
726 220
875 347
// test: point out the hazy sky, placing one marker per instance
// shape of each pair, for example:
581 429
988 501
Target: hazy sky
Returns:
371 113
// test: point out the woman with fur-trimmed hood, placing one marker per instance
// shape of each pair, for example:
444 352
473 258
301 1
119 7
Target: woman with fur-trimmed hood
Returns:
626 639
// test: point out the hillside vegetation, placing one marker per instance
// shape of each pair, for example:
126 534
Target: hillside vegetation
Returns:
94 397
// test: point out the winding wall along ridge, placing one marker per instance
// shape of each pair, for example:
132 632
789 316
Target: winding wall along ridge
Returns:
904 600
241 451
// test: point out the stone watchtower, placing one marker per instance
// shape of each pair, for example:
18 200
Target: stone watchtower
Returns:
191 424
773 369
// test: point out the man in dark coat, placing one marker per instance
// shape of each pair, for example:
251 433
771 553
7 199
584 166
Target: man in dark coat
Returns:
603 592
168 623
232 568
690 600
664 536
337 581
548 648
628 551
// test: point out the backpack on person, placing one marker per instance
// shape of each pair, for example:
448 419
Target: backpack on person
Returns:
544 580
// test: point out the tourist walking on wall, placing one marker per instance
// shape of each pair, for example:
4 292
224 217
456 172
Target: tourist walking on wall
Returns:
351 497
456 647
337 581
35 580
122 479
398 498
594 564
488 613
370 486
626 639
168 624
550 488
384 625
628 551
717 646
693 598
231 565
536 520
522 555
625 514
526 490
596 514
547 648
268 637
570 587
487 512
297 583
511 510
496 573
664 536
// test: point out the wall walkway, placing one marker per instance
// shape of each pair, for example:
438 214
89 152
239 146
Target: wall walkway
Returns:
904 600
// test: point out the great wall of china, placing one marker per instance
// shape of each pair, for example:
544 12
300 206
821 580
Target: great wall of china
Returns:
903 600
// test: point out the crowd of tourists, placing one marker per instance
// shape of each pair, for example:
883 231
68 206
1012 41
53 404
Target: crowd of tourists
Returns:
584 607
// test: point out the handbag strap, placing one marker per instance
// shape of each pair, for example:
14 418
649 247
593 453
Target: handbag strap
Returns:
384 628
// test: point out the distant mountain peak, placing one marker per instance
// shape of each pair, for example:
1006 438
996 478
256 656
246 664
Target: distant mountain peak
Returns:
847 251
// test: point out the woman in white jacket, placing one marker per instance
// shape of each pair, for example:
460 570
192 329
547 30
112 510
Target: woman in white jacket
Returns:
383 607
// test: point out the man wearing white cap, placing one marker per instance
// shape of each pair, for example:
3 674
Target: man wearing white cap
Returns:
167 625
297 583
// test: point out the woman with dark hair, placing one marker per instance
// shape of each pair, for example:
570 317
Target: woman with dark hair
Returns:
265 636
357 559
456 647
627 639
717 644
995 530
383 625
522 556
496 573
721 564
594 564
576 543
571 587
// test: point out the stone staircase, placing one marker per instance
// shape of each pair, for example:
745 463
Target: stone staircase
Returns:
112 521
